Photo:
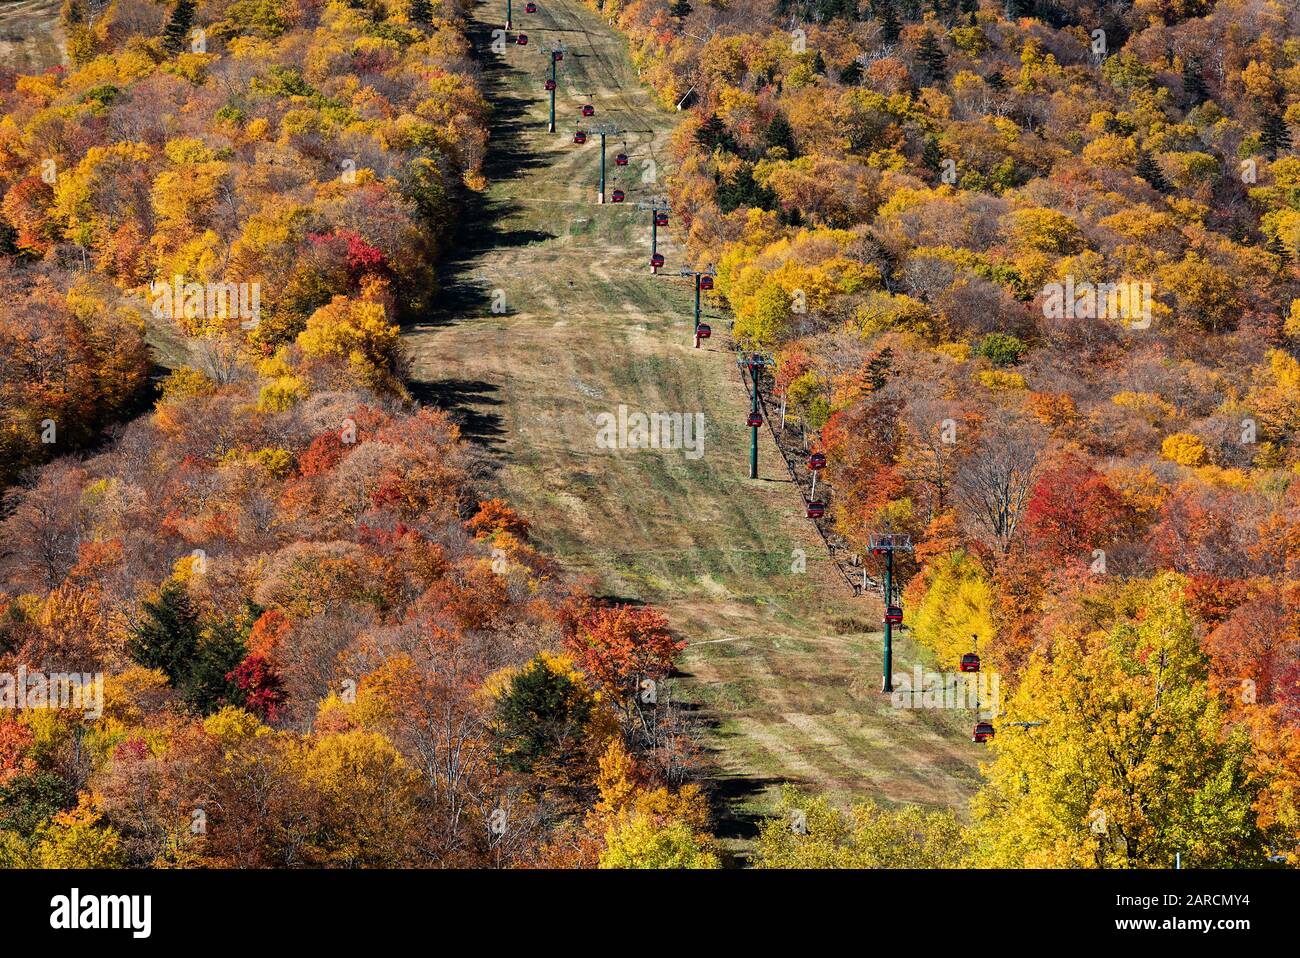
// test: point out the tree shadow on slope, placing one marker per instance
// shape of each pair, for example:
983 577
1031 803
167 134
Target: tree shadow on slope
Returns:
469 403
480 224
733 796
461 292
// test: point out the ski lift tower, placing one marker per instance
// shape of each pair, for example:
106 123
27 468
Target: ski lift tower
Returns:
886 544
754 362
556 53
603 130
658 207
701 282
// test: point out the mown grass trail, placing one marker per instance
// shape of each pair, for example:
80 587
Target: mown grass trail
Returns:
779 662
31 35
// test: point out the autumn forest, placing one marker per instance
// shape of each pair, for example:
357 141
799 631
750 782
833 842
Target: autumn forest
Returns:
1015 290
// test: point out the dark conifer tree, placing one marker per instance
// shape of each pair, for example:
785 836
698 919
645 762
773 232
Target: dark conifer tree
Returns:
1275 136
1149 170
891 28
1193 82
177 28
932 57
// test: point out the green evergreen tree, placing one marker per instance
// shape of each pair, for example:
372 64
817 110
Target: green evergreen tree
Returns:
932 57
207 684
851 75
1278 249
167 634
713 134
931 155
422 12
780 134
177 28
1149 170
27 801
1194 82
539 719
891 28
1275 136
680 8
744 191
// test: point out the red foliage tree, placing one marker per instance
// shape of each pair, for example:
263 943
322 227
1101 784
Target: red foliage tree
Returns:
618 645
1072 510
263 689
1257 644
496 515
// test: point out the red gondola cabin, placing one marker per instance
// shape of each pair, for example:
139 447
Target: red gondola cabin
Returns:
522 39
983 732
580 137
588 110
704 331
706 282
817 461
657 260
616 196
557 55
530 8
894 615
620 160
754 420
970 662
661 219
550 84
816 509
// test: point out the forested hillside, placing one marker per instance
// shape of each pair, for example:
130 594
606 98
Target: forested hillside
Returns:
1027 271
319 645
1022 278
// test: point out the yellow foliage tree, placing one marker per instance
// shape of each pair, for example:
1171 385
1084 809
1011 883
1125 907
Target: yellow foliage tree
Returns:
957 604
358 332
1185 448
